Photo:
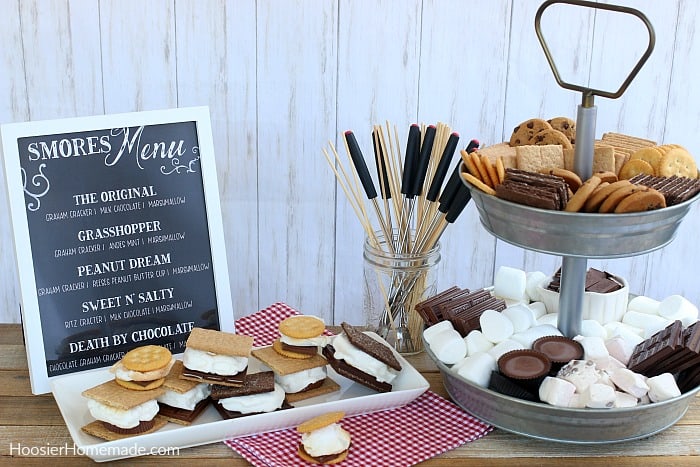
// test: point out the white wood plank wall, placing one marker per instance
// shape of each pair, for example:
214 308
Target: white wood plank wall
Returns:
282 78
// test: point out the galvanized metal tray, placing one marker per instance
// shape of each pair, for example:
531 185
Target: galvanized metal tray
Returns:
577 426
583 235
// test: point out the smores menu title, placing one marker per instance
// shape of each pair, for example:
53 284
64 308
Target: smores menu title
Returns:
119 241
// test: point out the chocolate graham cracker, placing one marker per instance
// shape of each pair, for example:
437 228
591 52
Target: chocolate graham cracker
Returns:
352 373
255 383
371 346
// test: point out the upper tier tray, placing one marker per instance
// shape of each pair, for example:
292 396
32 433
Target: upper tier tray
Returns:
584 235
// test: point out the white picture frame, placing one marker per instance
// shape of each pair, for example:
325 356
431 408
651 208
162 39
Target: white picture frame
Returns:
84 136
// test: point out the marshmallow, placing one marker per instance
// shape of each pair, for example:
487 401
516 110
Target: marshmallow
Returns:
650 323
430 333
557 392
477 368
609 364
577 401
504 347
580 373
495 326
533 281
449 346
679 308
550 319
592 328
476 342
619 348
630 382
662 387
599 396
627 332
510 283
622 399
644 304
593 348
531 335
538 309
521 316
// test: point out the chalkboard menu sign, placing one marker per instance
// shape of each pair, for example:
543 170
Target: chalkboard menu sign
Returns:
118 236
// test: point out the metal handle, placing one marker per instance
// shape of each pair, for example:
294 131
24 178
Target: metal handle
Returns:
589 92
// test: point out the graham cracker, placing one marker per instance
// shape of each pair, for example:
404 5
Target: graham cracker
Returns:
603 158
220 343
114 395
506 151
327 387
282 365
321 421
534 158
175 383
97 429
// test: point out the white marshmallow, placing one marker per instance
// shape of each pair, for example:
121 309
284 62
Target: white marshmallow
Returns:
495 326
550 319
622 399
580 373
662 387
476 342
526 338
533 281
650 323
592 328
630 382
677 307
644 304
557 392
593 348
577 401
510 283
628 333
477 368
609 364
504 347
644 400
449 346
430 333
521 316
619 348
538 309
599 396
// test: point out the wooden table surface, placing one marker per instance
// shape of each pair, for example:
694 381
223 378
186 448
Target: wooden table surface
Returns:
34 421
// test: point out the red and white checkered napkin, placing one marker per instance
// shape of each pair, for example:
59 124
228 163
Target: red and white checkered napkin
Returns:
428 426
404 436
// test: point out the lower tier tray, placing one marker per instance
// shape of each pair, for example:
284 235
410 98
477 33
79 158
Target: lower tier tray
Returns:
547 422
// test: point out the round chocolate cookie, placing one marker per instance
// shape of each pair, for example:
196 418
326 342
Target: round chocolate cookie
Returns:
524 133
566 126
551 136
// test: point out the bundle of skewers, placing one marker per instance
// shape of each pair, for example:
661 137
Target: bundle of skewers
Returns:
415 208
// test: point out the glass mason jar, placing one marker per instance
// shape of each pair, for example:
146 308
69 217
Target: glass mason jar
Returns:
394 284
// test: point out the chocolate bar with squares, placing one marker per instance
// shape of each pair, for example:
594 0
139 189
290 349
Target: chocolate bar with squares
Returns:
649 357
688 355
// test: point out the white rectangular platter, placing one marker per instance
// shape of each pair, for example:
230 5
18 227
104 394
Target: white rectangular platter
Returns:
352 398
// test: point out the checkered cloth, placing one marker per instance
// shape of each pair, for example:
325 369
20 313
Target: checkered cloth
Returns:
404 436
